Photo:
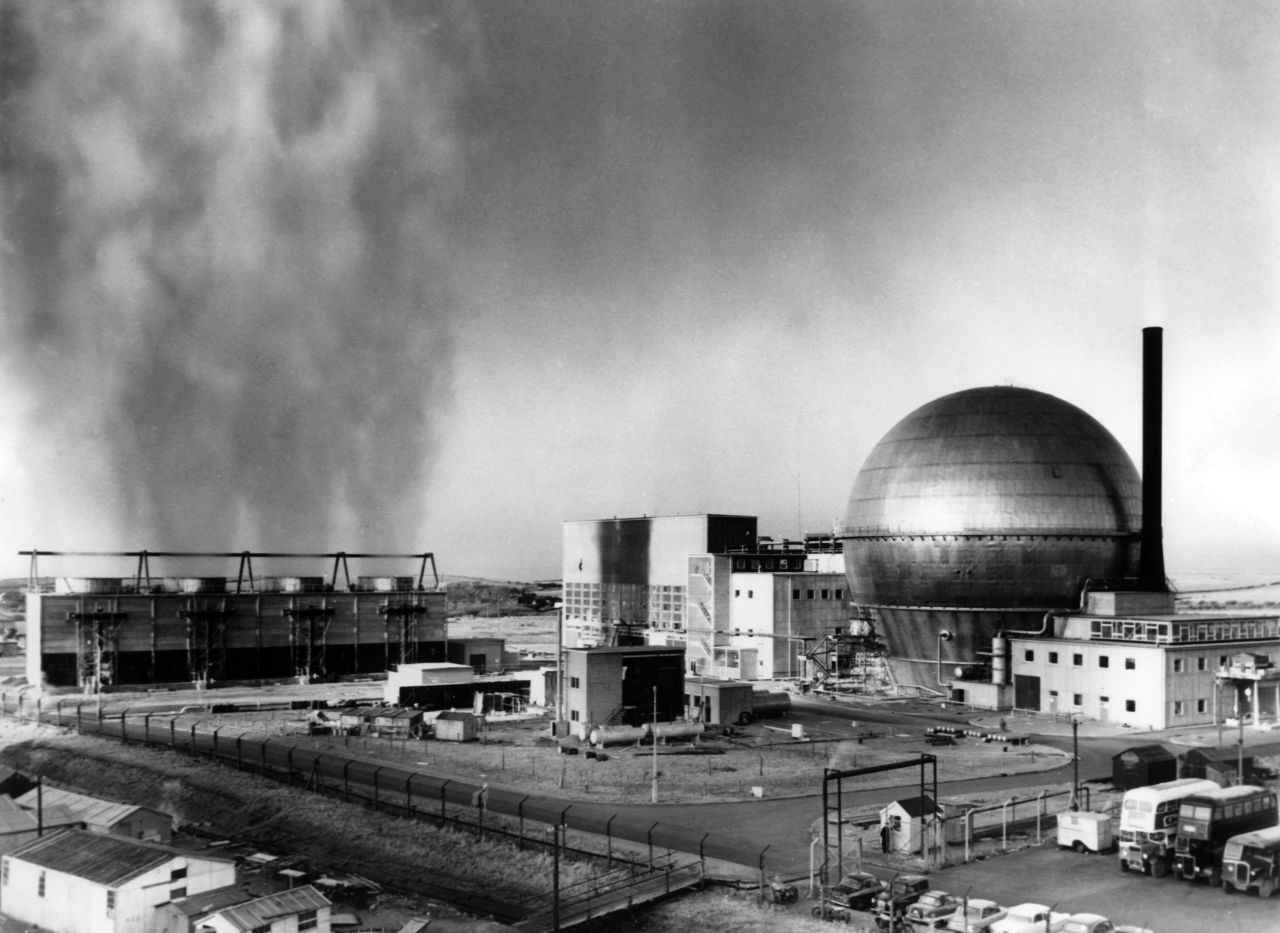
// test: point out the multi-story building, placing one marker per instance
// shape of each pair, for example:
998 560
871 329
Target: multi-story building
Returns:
740 605
1127 657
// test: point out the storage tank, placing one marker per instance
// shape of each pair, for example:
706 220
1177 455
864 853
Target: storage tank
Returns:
666 731
86 585
618 735
200 585
1000 660
301 584
980 511
385 584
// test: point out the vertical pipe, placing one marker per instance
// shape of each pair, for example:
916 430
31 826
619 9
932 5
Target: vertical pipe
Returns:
1151 575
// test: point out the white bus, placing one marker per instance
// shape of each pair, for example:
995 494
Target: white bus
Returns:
1252 861
1149 824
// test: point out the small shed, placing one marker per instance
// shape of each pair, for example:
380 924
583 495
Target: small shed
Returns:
103 816
1215 764
457 726
718 702
356 720
1142 766
397 723
479 654
906 824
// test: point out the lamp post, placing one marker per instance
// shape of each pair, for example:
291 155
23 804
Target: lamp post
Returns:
1075 763
654 737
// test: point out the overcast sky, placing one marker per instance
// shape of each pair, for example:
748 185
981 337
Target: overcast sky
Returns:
430 276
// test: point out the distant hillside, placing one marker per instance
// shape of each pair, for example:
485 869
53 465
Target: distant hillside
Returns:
487 598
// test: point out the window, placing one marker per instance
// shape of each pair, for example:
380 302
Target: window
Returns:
737 593
1202 664
1077 699
307 920
1201 705
751 594
1077 660
795 594
1104 661
839 594
575 683
1028 655
4 873
1130 664
178 873
40 886
1053 657
111 901
573 714
265 928
826 594
809 594
1130 706
1177 665
176 893
1177 707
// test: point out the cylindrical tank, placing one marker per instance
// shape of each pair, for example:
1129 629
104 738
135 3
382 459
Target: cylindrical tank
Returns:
979 512
200 585
767 703
1000 660
86 585
665 731
385 584
618 735
301 584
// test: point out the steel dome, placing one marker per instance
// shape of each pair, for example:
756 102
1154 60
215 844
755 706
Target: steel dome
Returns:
995 497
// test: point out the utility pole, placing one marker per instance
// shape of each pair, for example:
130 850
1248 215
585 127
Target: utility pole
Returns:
1075 762
654 737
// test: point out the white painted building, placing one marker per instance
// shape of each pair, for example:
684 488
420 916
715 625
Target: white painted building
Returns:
77 881
1123 659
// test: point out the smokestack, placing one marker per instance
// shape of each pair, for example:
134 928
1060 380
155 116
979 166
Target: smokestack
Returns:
1151 576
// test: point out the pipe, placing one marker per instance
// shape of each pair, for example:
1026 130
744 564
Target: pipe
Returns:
1151 576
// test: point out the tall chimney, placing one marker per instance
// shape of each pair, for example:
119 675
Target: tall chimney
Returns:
1151 576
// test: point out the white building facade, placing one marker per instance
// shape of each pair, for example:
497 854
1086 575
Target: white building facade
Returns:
83 882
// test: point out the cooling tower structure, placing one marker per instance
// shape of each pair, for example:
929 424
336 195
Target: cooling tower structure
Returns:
97 633
976 515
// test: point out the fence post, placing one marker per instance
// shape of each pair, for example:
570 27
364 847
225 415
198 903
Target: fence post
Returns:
443 817
762 881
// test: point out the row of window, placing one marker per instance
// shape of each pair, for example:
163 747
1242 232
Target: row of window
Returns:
1077 699
795 594
1180 706
1179 664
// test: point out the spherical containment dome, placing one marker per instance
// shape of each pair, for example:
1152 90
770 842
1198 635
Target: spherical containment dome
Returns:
994 497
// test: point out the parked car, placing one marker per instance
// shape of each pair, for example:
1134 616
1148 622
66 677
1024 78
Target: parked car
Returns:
931 910
1087 923
891 904
1030 918
855 891
976 916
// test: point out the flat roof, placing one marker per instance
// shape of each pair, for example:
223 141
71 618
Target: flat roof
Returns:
649 518
634 649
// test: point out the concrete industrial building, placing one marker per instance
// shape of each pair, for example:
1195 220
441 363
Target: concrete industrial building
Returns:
622 686
100 632
740 605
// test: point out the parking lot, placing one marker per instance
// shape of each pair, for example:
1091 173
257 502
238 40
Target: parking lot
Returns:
1077 883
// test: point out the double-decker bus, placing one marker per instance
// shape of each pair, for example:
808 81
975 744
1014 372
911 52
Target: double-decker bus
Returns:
1149 823
1252 861
1207 821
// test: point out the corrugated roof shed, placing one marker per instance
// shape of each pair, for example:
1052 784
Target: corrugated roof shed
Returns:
90 809
208 902
98 857
262 911
18 820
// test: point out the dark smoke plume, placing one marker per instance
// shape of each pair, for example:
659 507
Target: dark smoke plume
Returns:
225 263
